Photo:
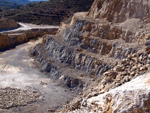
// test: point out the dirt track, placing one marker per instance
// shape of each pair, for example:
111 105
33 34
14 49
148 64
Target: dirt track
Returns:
17 71
26 26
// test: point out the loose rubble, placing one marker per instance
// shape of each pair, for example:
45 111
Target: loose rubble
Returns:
12 97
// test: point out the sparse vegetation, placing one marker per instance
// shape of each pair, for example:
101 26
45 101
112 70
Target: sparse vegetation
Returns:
5 5
49 12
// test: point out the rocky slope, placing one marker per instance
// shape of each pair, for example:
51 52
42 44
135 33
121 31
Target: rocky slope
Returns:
49 12
4 4
7 24
10 40
131 97
99 51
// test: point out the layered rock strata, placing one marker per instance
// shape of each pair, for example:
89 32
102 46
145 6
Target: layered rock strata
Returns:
108 44
133 97
10 40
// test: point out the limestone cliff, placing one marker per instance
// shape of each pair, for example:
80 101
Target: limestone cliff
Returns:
107 46
120 10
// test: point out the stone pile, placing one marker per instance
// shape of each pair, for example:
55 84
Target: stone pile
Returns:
12 97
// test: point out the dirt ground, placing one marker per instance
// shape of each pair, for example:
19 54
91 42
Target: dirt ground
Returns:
18 75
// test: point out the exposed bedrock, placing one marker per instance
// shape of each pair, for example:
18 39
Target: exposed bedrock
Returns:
120 10
10 40
119 30
100 38
87 46
91 55
67 64
108 44
72 57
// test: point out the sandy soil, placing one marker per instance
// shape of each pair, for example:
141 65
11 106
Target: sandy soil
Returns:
17 71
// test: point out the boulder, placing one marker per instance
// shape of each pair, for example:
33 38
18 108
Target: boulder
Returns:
133 96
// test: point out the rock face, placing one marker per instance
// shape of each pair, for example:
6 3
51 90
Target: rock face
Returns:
7 24
120 11
133 97
10 40
108 44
